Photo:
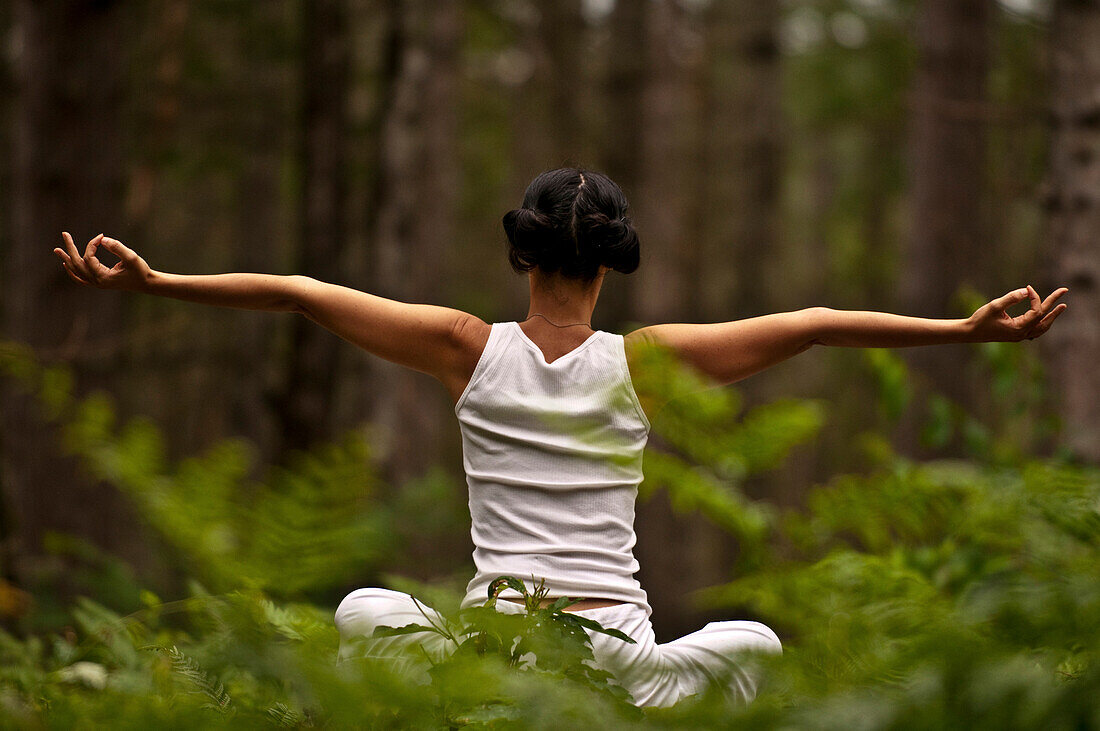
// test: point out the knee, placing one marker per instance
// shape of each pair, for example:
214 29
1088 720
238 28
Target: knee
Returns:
747 635
359 612
763 638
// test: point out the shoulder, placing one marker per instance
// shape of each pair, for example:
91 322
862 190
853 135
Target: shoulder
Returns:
469 334
641 343
466 338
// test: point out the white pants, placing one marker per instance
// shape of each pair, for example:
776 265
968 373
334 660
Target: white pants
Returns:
655 675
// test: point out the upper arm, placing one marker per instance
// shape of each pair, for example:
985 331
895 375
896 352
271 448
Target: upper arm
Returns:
440 341
726 352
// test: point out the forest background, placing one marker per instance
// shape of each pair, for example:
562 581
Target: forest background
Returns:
914 156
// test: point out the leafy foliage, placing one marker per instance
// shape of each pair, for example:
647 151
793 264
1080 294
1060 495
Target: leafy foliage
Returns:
703 452
312 525
957 593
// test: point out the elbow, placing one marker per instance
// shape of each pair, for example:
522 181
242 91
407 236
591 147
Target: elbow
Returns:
815 330
297 295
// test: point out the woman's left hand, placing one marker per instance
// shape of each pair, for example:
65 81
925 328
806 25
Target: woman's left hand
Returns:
992 323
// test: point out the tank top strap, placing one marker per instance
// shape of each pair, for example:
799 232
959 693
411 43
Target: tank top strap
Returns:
495 346
618 343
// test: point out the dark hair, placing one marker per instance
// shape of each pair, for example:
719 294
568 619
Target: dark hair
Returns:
572 221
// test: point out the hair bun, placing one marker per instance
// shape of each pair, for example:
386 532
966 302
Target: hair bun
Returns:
613 241
530 233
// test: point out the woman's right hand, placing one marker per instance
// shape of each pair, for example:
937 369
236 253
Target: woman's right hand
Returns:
130 273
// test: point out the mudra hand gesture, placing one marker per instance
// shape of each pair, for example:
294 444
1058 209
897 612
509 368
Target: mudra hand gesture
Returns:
992 323
131 272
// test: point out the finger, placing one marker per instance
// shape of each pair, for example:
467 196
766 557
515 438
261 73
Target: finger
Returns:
1036 302
1034 312
1045 323
75 260
74 277
96 267
1025 322
89 250
1050 317
93 265
1016 295
67 262
1054 297
119 249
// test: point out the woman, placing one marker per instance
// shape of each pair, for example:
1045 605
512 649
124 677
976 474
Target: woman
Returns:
552 428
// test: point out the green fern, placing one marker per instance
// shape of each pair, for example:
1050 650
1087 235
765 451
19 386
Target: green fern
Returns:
213 689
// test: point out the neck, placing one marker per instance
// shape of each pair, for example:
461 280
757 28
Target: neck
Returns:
561 300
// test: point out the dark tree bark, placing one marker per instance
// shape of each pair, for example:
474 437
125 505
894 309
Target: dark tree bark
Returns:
306 407
664 286
67 173
546 107
561 74
947 158
741 159
622 140
948 151
413 220
1073 204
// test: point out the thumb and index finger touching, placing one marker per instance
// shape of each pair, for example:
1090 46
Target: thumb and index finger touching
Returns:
1041 313
114 246
1035 302
1035 308
86 268
95 265
117 248
1016 295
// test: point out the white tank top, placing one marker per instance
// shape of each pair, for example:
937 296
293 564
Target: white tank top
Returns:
553 459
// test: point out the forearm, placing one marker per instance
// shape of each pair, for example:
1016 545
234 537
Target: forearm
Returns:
274 292
861 329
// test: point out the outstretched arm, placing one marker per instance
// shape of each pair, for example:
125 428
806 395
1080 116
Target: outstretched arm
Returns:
440 341
730 351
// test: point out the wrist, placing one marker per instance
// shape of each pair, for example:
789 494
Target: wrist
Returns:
967 330
151 282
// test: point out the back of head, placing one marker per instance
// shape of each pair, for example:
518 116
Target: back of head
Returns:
572 221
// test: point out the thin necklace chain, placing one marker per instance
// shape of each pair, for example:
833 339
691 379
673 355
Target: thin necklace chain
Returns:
539 314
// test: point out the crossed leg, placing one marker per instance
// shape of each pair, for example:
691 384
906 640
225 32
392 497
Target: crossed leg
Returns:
654 674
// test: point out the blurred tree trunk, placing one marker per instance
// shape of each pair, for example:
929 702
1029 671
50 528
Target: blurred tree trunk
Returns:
306 405
741 159
947 149
413 223
7 103
622 140
560 71
878 290
664 287
156 135
546 108
68 173
268 129
1073 204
